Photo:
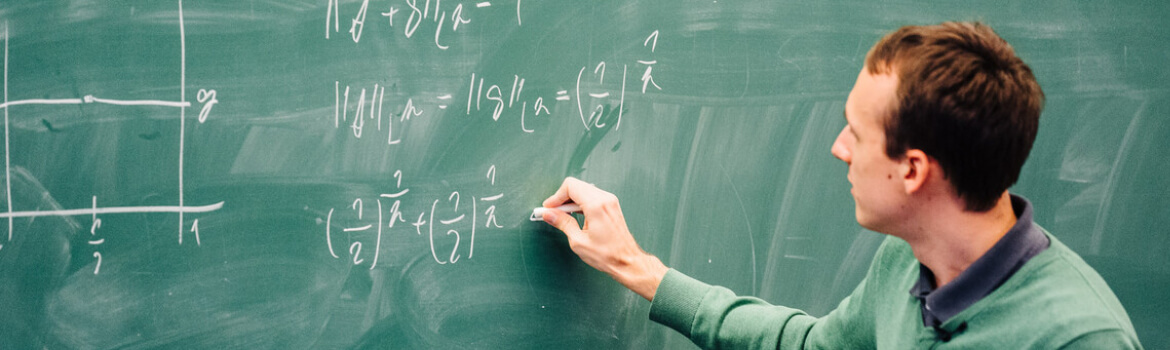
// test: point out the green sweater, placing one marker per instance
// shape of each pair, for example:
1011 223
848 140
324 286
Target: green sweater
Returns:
1054 301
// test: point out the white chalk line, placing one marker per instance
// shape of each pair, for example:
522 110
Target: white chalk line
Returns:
115 210
97 100
182 111
7 156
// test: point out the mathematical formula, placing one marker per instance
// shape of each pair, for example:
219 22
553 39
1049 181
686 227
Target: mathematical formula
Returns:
592 96
443 18
452 220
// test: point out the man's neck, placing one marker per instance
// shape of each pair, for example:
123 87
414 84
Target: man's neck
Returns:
949 239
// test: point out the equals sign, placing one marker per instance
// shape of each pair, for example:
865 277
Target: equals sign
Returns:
563 95
444 98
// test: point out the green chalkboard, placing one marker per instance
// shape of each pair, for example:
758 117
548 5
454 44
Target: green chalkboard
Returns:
359 174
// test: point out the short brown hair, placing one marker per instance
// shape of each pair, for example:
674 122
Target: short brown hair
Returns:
963 98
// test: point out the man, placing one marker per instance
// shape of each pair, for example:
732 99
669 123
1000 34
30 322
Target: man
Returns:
939 124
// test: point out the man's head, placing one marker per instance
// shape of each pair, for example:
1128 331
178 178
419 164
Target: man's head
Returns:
961 97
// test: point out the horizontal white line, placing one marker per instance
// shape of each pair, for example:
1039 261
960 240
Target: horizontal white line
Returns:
452 221
563 92
484 4
395 195
67 101
562 98
647 62
492 198
601 95
91 99
114 210
97 242
363 228
445 97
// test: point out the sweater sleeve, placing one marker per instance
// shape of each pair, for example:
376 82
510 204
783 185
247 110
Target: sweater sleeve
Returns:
1104 339
715 318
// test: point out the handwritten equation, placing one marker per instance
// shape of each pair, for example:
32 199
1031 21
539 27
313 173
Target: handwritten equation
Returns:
449 224
416 12
594 97
594 94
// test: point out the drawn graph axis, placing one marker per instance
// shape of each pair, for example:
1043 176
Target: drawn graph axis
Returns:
182 104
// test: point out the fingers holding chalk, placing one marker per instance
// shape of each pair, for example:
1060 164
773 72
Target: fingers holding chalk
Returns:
538 213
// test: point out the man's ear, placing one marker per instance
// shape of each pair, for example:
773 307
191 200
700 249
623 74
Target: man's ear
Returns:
916 169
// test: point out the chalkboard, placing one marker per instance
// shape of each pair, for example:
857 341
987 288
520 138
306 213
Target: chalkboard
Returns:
359 174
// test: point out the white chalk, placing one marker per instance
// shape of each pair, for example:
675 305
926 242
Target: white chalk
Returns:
538 213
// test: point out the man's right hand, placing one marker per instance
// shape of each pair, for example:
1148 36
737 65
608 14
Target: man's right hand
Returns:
604 242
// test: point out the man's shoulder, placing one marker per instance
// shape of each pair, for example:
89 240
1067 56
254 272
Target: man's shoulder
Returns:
1059 275
1056 296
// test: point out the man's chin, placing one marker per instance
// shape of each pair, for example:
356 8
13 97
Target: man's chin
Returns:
865 222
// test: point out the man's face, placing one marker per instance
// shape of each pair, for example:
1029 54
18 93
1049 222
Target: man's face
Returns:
878 189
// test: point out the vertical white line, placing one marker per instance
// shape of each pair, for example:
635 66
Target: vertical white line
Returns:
336 99
474 211
182 110
328 11
381 99
7 158
622 105
378 243
512 97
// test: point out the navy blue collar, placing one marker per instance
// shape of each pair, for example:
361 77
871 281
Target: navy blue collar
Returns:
1024 241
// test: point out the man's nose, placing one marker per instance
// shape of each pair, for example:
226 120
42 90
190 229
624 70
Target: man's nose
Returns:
841 149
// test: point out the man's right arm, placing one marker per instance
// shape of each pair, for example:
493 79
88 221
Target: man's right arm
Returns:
711 316
714 317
